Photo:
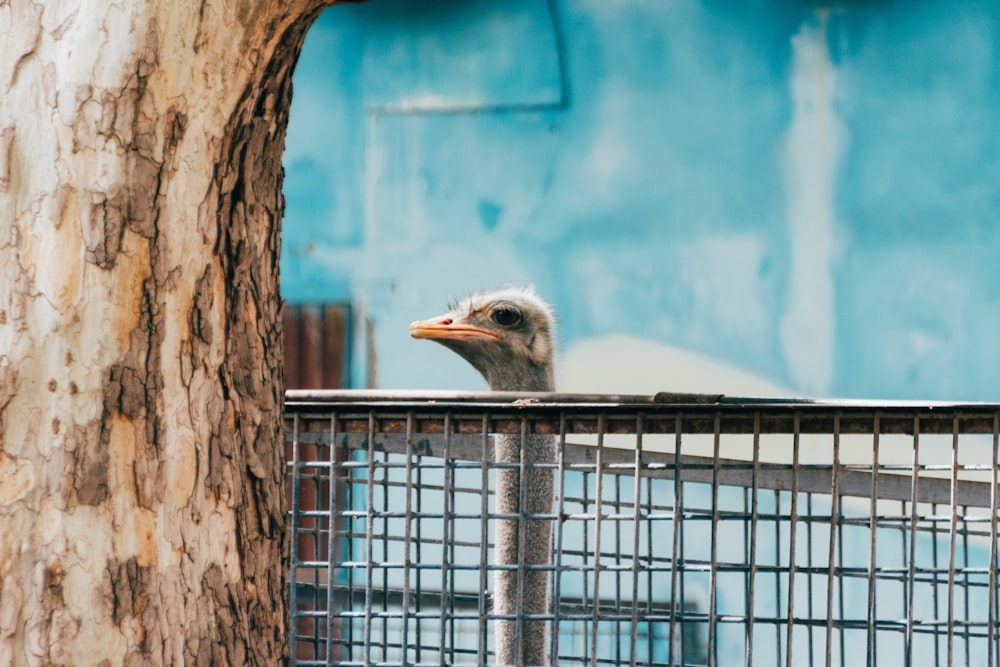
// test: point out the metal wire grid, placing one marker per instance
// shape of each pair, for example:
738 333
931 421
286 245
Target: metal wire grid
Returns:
688 530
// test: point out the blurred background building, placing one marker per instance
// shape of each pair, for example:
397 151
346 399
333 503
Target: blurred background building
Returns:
741 196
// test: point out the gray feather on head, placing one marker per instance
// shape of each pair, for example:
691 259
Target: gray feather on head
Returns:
505 334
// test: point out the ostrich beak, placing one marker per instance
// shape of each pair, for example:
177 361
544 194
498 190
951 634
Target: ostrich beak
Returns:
445 327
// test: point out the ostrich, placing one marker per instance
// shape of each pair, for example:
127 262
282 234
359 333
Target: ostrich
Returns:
507 336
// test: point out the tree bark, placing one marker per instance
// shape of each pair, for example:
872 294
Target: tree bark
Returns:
141 458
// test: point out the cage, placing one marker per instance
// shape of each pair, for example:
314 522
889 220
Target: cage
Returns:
686 530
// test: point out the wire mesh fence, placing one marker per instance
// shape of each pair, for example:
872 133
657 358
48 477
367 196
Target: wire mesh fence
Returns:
687 530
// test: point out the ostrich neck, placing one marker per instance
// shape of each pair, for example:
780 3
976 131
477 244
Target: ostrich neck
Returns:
525 378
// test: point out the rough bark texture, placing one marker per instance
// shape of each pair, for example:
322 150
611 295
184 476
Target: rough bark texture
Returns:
141 466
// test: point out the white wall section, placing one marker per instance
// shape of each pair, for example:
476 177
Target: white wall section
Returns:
811 153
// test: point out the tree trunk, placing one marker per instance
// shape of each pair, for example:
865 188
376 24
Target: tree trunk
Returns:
141 459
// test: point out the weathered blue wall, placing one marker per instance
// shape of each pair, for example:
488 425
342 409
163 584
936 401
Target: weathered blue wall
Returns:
810 195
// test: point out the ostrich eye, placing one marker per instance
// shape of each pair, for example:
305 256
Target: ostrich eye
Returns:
506 317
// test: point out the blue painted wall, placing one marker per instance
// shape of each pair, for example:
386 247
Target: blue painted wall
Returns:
808 194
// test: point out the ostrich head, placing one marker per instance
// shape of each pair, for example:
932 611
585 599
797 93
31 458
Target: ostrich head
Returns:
505 334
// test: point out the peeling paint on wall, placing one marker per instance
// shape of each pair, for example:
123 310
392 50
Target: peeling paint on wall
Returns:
811 155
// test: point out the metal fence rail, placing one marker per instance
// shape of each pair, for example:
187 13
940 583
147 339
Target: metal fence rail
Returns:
688 530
